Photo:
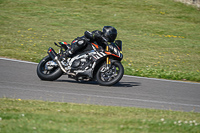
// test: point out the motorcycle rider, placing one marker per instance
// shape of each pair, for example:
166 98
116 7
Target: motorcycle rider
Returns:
80 44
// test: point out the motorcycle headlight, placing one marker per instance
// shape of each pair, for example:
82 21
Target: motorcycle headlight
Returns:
115 50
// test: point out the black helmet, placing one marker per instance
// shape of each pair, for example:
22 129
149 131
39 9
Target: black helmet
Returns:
110 33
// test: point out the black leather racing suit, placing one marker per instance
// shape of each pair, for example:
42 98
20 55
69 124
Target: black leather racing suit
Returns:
82 44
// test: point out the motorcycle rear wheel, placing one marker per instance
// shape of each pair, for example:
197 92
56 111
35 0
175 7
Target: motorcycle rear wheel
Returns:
112 76
47 74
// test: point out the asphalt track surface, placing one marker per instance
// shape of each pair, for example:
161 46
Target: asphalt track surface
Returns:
18 79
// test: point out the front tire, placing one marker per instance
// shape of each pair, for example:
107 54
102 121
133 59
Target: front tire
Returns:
111 76
49 73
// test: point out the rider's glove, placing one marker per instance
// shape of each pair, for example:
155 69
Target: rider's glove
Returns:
97 34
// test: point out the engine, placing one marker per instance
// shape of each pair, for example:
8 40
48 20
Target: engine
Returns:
82 64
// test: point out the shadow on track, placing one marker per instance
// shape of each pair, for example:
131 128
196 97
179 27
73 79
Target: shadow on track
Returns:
127 84
119 84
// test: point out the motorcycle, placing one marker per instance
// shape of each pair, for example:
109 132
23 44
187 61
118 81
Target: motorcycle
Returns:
98 64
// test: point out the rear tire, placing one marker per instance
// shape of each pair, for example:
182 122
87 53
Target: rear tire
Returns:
112 76
45 74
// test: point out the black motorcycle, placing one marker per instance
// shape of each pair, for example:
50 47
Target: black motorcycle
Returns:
98 64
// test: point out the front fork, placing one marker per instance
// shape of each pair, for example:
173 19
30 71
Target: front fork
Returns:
108 63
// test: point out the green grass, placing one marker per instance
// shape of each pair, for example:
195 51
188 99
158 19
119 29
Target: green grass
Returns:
27 116
160 37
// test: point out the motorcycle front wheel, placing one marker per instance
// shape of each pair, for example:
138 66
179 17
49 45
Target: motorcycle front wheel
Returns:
48 70
112 76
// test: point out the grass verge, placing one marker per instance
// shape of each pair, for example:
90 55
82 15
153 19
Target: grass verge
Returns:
20 116
160 37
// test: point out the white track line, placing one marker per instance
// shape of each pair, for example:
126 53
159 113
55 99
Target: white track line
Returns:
175 81
17 60
124 75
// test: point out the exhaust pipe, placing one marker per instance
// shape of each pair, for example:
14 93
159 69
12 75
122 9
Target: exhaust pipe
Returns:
54 56
60 65
52 53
